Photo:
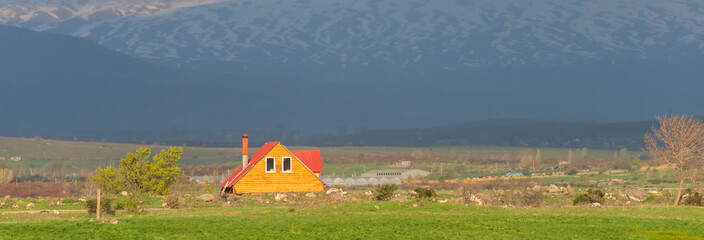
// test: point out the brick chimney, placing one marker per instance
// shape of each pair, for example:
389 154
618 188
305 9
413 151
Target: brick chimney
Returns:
245 153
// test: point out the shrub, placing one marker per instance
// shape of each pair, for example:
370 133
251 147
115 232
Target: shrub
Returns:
532 198
591 196
385 191
424 192
68 200
105 206
693 199
130 203
175 201
572 171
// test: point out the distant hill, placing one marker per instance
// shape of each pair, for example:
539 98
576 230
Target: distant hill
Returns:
522 133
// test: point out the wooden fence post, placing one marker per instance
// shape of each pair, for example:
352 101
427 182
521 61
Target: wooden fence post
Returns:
97 212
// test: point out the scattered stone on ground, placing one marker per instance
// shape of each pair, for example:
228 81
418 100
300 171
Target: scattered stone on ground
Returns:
226 204
206 198
124 193
621 197
113 221
55 212
15 207
368 193
280 197
415 205
399 198
637 195
311 195
29 206
442 201
595 204
377 207
333 190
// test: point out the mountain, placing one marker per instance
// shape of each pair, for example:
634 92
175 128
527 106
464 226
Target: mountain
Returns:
443 34
522 133
232 64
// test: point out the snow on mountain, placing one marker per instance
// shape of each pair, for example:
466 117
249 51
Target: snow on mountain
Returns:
449 34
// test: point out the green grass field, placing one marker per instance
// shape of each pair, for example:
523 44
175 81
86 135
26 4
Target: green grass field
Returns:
392 220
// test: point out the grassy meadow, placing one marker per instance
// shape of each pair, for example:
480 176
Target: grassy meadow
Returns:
368 220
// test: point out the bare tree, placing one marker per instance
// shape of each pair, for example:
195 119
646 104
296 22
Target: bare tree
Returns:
679 143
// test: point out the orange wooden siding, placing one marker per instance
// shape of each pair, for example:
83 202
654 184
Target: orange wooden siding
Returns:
300 179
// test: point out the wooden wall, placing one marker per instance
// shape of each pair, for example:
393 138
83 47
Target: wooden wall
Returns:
300 179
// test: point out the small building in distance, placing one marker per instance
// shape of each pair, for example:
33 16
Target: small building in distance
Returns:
399 173
274 168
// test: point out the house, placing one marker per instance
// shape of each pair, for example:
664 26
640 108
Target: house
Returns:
399 173
274 168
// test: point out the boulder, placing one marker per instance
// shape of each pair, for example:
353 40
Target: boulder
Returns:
333 190
637 195
552 189
595 204
335 197
311 195
280 197
56 212
368 193
29 206
206 198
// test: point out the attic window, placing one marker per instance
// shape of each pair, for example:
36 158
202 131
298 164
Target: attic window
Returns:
270 165
286 164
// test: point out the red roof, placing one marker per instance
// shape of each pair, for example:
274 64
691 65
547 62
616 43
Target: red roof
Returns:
311 158
252 161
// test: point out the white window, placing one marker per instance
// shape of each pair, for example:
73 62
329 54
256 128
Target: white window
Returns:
270 167
286 164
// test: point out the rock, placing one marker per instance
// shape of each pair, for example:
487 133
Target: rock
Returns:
595 204
280 197
187 196
82 199
442 201
226 204
124 193
474 199
113 221
29 206
163 204
552 189
655 193
311 195
91 220
15 207
637 195
399 198
55 212
206 198
333 190
230 198
335 197
620 196
368 193
377 207
415 205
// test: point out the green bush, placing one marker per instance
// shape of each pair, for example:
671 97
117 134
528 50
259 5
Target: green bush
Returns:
591 196
105 206
572 171
424 192
68 200
694 199
385 191
130 203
